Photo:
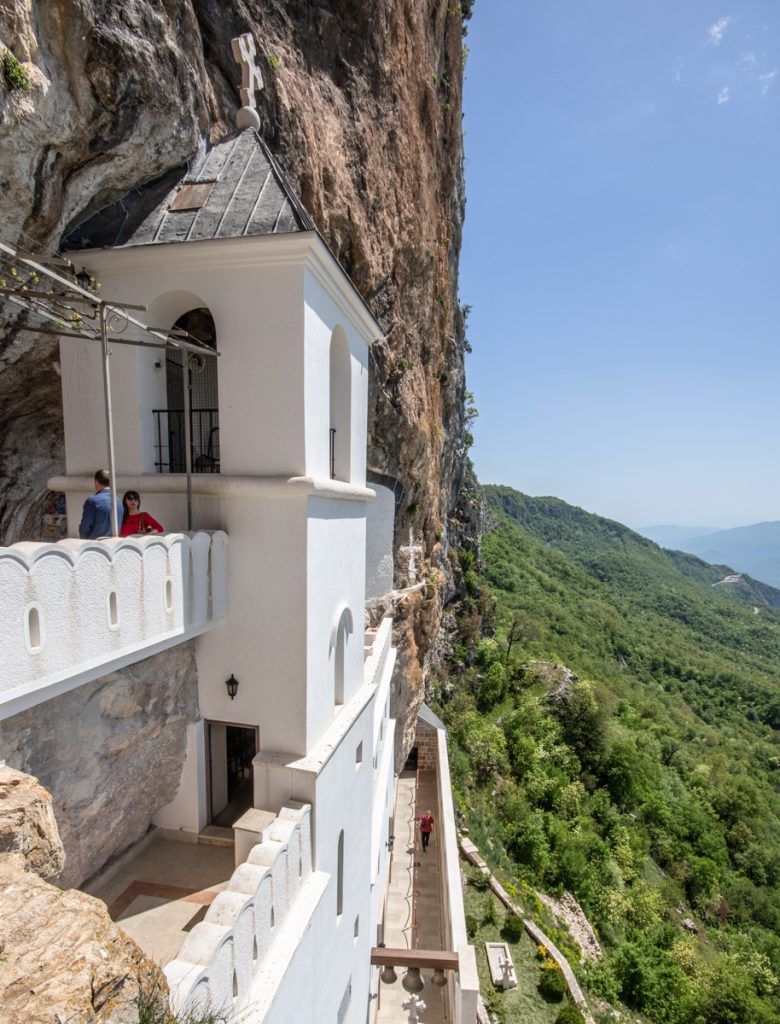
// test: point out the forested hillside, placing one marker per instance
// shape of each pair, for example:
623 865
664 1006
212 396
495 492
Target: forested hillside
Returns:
647 782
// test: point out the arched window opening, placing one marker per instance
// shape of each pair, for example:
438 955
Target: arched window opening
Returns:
201 376
340 876
340 406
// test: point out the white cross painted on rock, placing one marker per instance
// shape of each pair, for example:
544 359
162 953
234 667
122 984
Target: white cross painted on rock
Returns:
245 52
411 551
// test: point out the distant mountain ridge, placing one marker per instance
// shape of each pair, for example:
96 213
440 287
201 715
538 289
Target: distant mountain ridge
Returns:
612 552
676 536
751 549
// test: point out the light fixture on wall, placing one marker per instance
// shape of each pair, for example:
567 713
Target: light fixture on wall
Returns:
84 278
232 686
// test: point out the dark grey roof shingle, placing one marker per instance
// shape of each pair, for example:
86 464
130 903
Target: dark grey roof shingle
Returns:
250 195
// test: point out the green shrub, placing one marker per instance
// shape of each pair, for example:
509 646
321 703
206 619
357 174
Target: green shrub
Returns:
513 928
569 1014
472 925
14 74
153 1008
480 882
552 983
490 913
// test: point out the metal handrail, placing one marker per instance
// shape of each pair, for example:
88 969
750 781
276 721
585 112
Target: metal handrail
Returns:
170 440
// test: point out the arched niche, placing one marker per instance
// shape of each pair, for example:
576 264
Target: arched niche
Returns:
340 406
339 638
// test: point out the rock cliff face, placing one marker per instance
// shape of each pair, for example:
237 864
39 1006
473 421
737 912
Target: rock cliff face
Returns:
128 727
362 103
42 928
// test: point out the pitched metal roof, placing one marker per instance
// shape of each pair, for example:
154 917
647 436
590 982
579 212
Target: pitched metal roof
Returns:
235 188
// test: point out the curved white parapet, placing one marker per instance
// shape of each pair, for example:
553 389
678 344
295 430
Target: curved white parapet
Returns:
222 954
75 610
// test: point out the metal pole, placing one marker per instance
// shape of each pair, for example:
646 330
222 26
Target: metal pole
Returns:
187 438
109 421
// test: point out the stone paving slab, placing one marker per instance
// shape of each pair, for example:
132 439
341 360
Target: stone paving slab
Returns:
159 895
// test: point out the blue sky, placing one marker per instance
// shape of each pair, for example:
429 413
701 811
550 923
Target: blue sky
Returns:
621 254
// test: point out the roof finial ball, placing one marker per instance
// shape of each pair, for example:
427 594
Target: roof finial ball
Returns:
245 52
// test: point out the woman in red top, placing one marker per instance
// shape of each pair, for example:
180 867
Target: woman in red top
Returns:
134 520
426 827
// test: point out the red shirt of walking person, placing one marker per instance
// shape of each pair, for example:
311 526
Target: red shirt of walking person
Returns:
426 827
134 520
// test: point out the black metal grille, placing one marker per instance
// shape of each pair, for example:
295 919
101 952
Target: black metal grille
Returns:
169 440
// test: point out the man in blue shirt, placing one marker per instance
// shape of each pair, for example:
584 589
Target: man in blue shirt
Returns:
96 517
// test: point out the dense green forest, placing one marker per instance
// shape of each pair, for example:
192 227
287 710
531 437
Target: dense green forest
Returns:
645 779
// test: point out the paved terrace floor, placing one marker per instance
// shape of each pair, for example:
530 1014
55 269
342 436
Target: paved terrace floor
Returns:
159 895
413 901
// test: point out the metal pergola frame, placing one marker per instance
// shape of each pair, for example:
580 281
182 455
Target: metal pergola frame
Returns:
59 307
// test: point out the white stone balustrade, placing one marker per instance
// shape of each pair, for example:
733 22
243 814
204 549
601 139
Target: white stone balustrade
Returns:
75 610
223 953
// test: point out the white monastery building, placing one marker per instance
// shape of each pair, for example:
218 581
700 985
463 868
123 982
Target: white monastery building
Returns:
252 453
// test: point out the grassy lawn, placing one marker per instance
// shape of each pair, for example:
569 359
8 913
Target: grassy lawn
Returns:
521 1005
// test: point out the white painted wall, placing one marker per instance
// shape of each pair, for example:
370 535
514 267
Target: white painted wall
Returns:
463 987
276 302
263 642
166 588
324 314
336 542
188 812
357 799
380 526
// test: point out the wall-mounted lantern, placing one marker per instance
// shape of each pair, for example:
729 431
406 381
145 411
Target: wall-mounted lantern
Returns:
232 686
84 278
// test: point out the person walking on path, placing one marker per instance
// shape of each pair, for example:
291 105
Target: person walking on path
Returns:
426 827
96 515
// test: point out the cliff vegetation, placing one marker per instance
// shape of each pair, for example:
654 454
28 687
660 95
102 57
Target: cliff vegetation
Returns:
614 724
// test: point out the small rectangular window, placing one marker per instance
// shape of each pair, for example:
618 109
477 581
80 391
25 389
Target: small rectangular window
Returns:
192 196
